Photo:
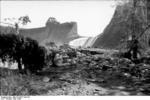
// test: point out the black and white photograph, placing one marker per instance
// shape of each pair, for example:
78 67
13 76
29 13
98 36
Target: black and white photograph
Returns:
74 48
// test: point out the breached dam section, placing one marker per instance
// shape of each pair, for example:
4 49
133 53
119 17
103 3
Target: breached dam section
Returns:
83 42
59 33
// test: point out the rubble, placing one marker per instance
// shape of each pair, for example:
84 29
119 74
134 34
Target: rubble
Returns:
104 66
46 79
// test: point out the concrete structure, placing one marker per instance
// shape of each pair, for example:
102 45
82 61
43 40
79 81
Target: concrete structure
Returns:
53 32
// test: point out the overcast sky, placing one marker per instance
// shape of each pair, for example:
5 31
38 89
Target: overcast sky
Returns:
91 16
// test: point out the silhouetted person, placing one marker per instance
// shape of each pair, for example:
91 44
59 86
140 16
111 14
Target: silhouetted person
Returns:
53 54
134 48
17 28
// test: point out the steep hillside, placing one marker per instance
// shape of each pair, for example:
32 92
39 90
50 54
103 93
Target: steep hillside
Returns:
121 25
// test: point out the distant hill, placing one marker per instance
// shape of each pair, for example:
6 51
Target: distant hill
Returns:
59 33
120 27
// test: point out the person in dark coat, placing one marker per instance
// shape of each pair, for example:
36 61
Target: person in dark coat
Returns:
134 48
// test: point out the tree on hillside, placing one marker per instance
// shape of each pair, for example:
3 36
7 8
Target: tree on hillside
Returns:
51 20
121 2
23 20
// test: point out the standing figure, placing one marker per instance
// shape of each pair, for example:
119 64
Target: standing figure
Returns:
17 28
53 56
134 48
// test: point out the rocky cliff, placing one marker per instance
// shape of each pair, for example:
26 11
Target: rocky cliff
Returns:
121 26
